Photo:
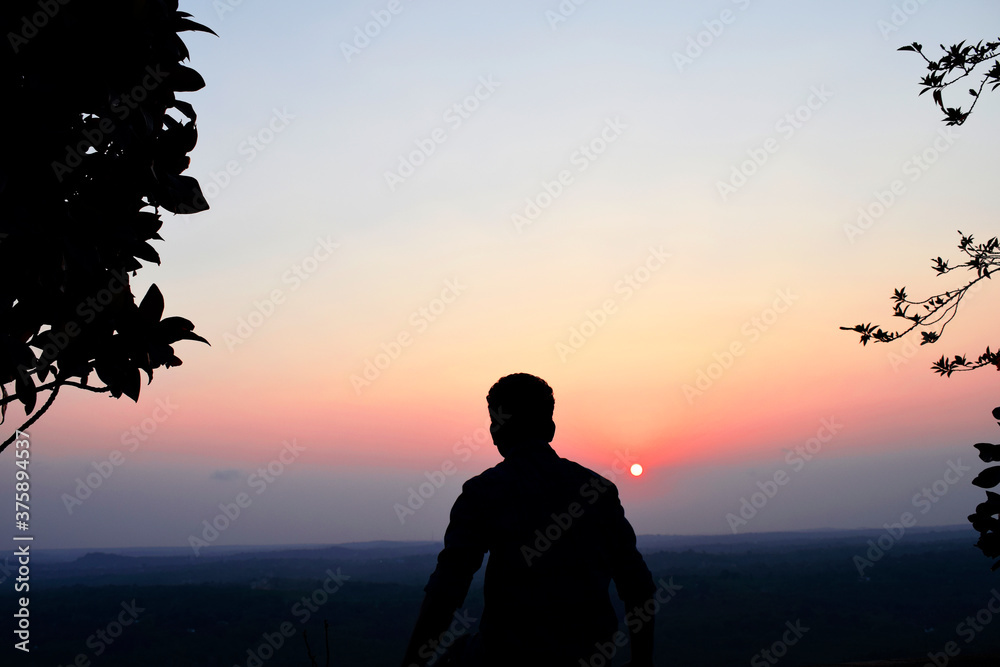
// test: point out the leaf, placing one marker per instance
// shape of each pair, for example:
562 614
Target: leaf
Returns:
193 336
143 250
185 25
178 328
988 452
990 506
183 195
131 383
151 306
988 478
24 389
186 109
184 79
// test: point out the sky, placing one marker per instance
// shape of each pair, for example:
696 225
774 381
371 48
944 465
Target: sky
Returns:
665 210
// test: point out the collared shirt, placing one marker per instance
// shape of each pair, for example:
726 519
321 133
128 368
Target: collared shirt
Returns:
557 536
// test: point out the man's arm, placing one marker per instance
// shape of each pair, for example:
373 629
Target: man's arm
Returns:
633 581
641 643
464 548
431 624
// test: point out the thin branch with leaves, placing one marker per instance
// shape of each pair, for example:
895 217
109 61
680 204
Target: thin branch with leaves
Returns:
934 313
960 60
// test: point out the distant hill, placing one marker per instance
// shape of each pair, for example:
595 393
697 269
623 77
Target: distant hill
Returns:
738 596
396 549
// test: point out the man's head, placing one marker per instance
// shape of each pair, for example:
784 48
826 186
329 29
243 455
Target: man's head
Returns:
521 408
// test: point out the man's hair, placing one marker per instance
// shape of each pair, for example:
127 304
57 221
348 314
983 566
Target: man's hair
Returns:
521 406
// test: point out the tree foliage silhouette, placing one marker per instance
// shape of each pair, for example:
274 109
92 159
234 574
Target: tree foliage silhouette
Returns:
986 519
932 314
959 61
95 146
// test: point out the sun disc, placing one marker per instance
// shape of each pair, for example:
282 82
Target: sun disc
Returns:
636 469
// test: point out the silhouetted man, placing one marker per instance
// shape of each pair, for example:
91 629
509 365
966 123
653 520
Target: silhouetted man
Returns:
557 535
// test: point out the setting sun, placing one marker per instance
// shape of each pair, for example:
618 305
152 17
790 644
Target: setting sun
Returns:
636 469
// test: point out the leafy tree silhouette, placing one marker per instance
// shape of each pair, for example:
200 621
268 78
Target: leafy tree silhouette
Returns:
95 144
940 309
957 62
933 314
985 519
960 60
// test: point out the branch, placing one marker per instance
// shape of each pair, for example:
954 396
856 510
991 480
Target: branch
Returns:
946 367
960 58
984 260
68 383
34 417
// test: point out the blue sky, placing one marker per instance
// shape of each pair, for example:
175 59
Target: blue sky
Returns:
296 135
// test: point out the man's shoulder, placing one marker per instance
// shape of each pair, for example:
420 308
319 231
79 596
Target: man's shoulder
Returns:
489 477
562 467
484 479
585 474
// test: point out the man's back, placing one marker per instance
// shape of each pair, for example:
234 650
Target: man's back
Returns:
557 535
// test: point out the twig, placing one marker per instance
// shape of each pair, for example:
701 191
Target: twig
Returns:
326 633
312 658
69 383
33 418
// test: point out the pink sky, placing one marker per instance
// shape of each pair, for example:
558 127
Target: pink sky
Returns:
308 267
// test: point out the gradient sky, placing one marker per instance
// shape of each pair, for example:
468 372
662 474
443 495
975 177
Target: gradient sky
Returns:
311 263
